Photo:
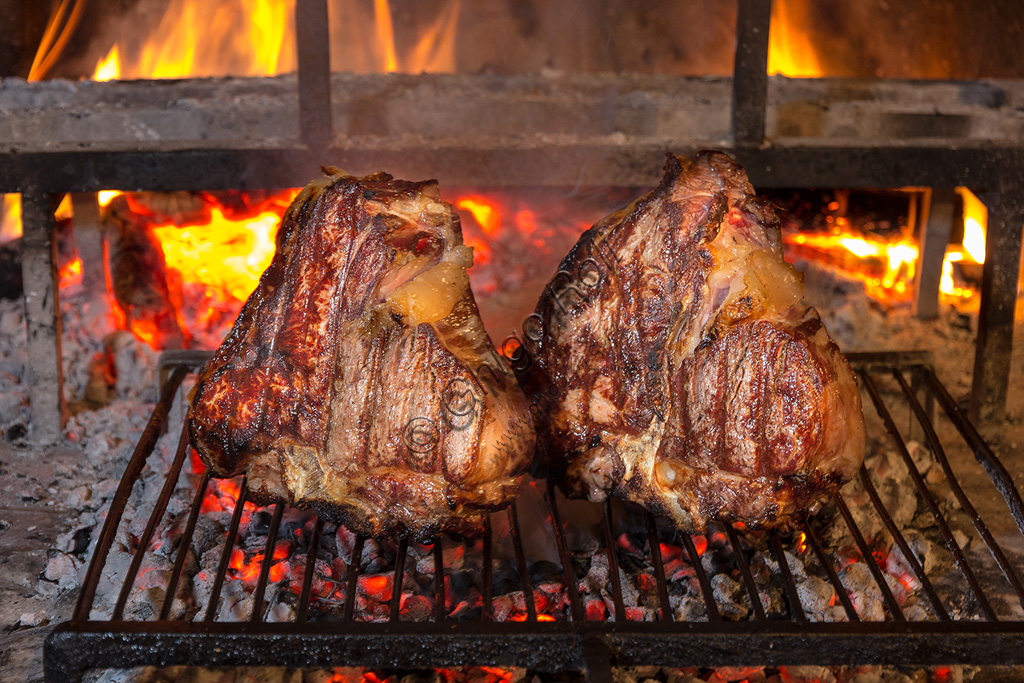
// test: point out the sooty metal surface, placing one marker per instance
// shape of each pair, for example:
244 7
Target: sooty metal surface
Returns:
567 634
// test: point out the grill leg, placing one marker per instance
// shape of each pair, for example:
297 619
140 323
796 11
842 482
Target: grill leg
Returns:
597 660
42 317
936 224
998 304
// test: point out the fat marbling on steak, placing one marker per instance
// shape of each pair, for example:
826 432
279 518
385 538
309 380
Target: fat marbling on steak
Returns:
674 363
358 378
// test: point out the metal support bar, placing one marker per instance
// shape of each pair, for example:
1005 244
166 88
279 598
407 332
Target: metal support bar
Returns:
998 304
936 220
313 43
750 79
42 317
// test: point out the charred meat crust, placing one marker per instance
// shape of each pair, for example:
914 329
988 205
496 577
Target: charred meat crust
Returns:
693 379
358 378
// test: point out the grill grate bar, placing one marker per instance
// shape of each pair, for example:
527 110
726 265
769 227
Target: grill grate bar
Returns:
568 569
488 570
926 496
225 556
659 568
788 582
154 518
826 562
908 554
72 642
958 492
399 581
268 560
869 560
183 546
307 577
996 471
524 572
702 578
744 566
353 578
439 596
147 442
613 561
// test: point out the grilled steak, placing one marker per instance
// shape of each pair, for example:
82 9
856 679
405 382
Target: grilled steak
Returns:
675 365
358 378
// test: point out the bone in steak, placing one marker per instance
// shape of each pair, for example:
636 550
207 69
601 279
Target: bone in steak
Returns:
358 378
675 364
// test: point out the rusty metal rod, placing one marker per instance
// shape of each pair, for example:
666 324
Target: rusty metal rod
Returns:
613 561
307 577
568 571
826 562
869 560
905 548
926 497
440 610
744 566
225 556
268 560
524 572
147 441
183 546
170 482
788 582
399 581
353 578
659 568
958 492
702 578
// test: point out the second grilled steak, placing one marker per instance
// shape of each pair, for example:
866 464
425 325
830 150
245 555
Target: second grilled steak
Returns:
675 364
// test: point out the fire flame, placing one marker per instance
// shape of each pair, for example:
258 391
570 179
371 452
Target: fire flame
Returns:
790 52
10 218
898 258
972 249
201 39
433 52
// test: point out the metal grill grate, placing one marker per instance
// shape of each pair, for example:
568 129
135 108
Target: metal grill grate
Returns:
567 636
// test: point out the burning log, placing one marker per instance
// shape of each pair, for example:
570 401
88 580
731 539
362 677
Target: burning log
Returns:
139 277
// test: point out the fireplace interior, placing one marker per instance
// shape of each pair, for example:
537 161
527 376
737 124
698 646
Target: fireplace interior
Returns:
894 152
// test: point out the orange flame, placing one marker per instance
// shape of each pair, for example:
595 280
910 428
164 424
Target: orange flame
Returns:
10 218
898 258
227 255
790 52
108 68
433 52
71 273
201 39
971 250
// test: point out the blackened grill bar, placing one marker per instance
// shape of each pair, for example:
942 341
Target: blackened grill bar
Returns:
576 642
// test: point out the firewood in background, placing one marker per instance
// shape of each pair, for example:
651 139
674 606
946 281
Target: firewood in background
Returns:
139 276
